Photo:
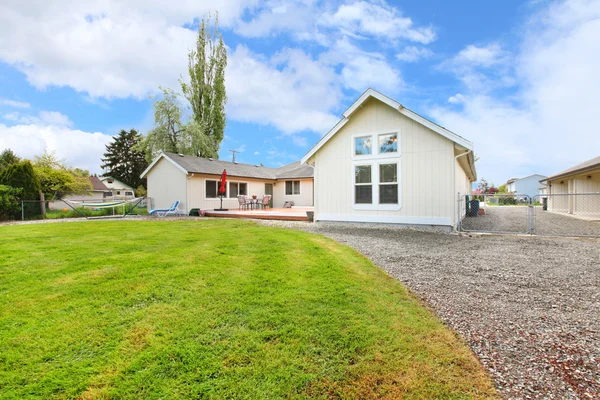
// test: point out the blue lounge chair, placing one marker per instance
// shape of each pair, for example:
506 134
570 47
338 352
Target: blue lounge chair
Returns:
163 212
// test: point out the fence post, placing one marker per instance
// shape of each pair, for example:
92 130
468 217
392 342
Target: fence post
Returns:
22 210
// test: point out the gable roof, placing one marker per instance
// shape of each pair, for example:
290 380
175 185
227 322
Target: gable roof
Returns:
97 184
511 180
115 184
209 166
370 93
584 166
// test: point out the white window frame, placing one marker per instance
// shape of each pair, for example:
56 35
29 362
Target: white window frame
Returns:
354 184
236 182
375 145
299 187
375 206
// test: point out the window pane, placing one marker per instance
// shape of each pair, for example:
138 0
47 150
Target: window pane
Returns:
388 194
211 189
388 173
362 145
388 143
233 188
243 191
363 194
362 174
288 188
296 187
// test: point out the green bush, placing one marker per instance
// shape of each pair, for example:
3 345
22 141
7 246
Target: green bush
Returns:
10 207
507 201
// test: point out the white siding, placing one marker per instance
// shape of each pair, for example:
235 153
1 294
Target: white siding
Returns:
166 184
580 183
304 199
426 161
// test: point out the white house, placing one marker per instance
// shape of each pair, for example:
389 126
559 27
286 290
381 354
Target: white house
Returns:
529 185
118 189
384 163
194 182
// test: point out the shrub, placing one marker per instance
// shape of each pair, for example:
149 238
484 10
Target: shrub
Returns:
507 201
21 175
10 207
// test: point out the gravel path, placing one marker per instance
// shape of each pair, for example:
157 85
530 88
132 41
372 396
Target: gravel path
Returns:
513 219
529 307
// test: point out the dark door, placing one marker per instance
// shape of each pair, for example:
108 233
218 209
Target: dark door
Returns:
269 190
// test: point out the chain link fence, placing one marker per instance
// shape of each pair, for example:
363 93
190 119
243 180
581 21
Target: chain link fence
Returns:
495 213
27 210
573 214
552 215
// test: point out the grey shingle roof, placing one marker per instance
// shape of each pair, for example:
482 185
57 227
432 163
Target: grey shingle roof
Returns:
97 183
594 162
201 165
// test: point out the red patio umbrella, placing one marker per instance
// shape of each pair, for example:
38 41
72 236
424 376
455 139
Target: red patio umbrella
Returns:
223 186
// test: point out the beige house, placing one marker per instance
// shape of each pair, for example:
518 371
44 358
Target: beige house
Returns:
194 182
575 190
115 189
384 163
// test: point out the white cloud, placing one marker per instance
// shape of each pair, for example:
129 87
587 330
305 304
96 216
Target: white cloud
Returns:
104 48
412 54
80 149
291 91
14 103
548 124
257 153
299 141
458 98
44 117
379 20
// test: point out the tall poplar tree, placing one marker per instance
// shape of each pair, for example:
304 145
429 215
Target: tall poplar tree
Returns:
123 159
206 88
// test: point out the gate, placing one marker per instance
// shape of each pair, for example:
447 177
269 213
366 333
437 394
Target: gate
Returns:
495 213
569 214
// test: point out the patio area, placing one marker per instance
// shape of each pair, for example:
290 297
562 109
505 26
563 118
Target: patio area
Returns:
283 214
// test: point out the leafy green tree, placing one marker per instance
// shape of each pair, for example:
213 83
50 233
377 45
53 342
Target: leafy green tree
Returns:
206 88
8 157
171 133
123 159
57 179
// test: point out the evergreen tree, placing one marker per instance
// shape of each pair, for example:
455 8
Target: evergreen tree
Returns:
206 89
123 159
21 175
8 157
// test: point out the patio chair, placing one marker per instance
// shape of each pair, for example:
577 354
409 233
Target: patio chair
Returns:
266 201
243 202
173 210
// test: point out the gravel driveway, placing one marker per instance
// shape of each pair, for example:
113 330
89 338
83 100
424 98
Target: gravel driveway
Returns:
513 219
529 307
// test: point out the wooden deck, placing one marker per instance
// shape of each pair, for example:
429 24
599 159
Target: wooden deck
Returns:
284 214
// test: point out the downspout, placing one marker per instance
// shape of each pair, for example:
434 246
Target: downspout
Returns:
454 178
187 191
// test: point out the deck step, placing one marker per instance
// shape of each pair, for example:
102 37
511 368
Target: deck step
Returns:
280 217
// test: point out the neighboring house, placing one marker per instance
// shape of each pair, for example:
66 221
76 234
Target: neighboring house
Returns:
194 181
529 185
577 180
116 189
98 193
384 163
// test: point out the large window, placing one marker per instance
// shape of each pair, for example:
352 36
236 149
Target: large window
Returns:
388 183
292 188
362 145
388 143
212 188
238 189
363 185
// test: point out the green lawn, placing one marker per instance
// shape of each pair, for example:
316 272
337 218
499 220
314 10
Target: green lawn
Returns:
213 309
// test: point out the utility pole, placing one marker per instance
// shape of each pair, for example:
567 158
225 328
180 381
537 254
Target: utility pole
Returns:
233 154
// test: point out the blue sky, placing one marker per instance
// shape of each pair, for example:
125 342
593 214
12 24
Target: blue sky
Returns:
518 78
